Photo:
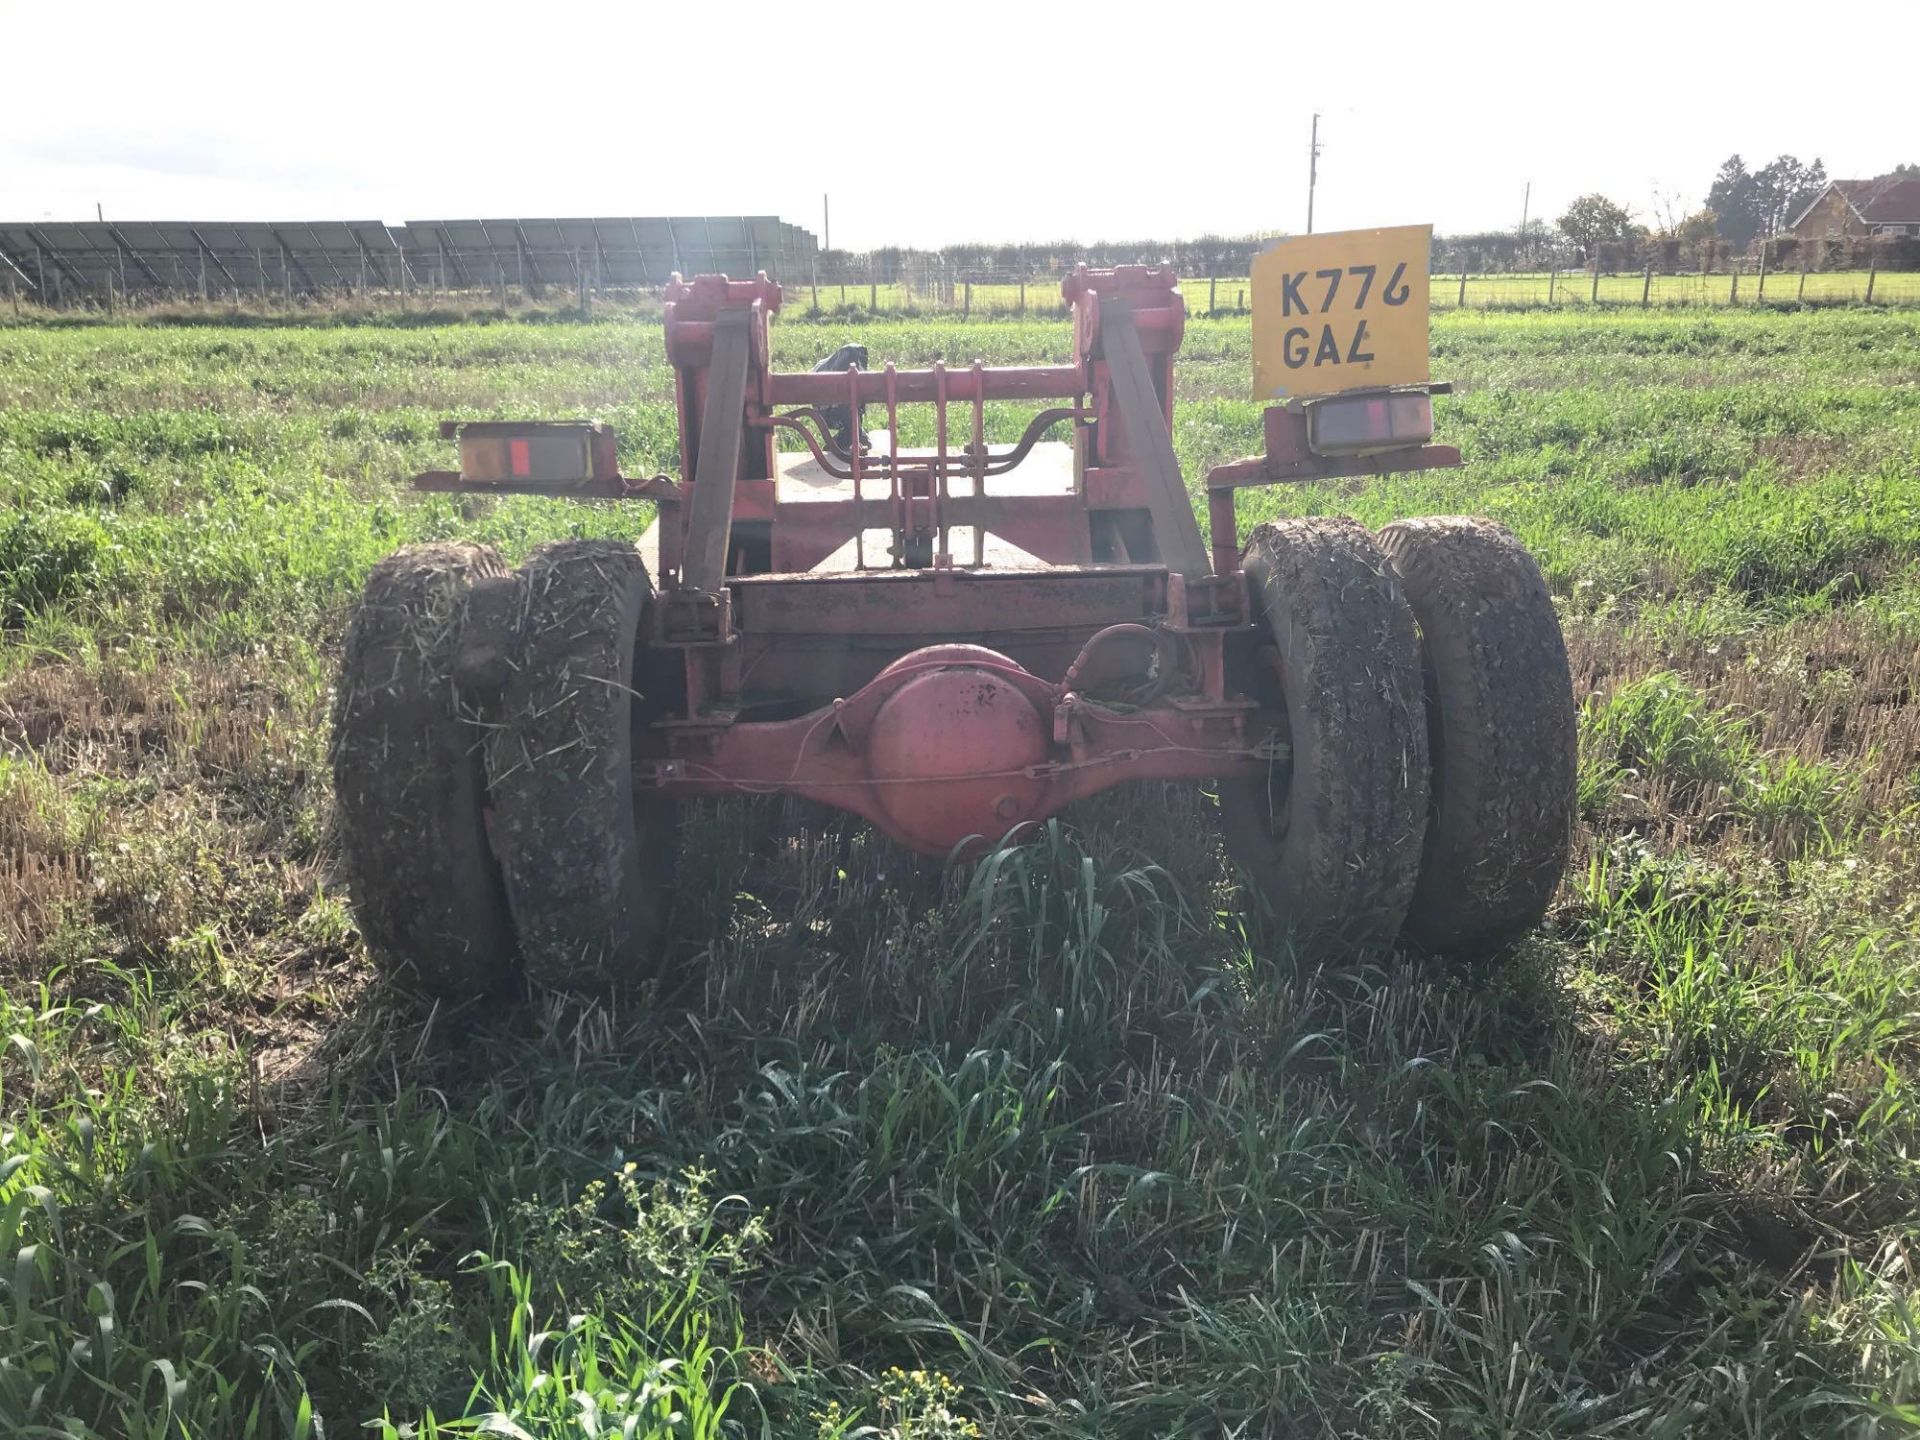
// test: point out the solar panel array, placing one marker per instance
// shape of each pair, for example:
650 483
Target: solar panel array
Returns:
59 263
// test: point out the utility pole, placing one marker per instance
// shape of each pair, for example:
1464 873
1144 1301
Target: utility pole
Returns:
1313 169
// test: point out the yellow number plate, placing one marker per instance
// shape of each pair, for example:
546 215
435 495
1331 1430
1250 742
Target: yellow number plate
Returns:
1341 311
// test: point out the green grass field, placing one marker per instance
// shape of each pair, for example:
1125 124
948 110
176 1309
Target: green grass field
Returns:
1568 289
1040 298
1059 1145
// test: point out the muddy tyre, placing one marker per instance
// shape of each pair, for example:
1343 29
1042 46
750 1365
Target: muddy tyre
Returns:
1501 731
587 869
1330 837
409 782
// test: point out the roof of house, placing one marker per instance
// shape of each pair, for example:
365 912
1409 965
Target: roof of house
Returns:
1885 201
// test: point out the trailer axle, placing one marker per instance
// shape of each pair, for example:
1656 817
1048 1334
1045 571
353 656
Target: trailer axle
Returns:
952 746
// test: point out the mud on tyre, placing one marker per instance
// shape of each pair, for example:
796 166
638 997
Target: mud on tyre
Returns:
408 775
1501 730
586 867
1330 837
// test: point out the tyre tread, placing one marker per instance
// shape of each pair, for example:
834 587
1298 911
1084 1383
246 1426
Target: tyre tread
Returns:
1504 732
585 867
409 782
1342 874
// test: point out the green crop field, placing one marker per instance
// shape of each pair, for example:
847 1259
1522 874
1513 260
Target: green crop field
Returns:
1576 288
1571 289
1059 1144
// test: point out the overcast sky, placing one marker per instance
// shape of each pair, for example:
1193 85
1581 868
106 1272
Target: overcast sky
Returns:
931 124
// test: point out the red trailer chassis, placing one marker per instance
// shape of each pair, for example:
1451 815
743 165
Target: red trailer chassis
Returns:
952 640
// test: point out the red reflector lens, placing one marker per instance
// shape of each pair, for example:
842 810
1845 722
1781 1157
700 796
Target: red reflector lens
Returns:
1353 425
550 453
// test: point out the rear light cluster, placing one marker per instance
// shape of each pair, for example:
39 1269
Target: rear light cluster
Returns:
557 453
1361 424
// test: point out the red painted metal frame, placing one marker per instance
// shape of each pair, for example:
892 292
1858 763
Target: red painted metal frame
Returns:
1016 748
1291 460
849 687
921 499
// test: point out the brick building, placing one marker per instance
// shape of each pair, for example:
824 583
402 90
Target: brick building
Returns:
1860 208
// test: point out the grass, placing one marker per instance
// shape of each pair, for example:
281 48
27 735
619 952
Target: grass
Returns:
1222 295
1062 1144
1566 289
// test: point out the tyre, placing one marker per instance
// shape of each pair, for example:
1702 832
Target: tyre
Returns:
1501 731
1330 836
409 780
586 867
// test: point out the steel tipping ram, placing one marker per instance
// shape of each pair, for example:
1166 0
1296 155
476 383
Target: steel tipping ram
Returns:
951 641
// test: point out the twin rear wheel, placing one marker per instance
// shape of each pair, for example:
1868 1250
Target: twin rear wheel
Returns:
484 731
586 865
483 767
1418 686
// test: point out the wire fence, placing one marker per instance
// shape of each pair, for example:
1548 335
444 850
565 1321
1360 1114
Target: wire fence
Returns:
928 285
990 293
1736 286
986 293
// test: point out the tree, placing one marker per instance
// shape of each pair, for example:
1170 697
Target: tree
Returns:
1696 237
1783 189
1697 228
1536 242
1732 199
1594 220
1762 202
1905 172
1669 209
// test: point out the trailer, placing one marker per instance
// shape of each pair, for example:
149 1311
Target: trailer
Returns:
952 641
